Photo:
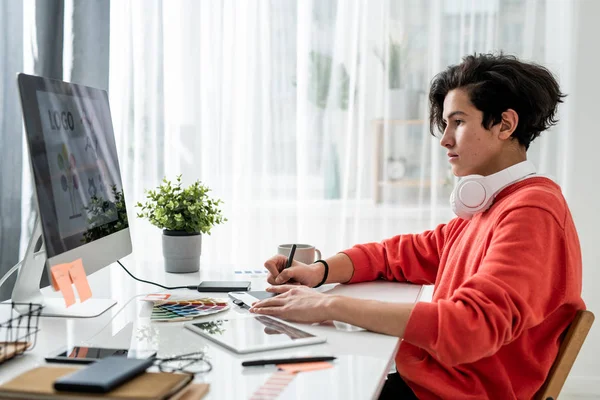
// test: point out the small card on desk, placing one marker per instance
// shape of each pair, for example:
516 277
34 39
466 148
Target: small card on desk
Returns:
305 367
38 384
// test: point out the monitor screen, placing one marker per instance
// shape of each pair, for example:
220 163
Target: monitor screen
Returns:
74 161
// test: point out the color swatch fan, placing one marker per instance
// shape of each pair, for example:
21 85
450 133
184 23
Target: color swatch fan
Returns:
184 309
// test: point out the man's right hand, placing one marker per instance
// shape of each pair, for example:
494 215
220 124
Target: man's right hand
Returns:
300 273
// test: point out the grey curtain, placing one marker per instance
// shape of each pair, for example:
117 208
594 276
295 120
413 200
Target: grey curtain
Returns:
49 24
90 38
11 138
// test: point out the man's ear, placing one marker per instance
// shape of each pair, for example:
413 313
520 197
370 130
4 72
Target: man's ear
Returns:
510 120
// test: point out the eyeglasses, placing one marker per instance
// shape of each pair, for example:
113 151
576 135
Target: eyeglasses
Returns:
191 363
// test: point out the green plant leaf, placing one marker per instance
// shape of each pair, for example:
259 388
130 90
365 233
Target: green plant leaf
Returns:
173 207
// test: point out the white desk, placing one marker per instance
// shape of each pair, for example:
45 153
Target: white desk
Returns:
364 358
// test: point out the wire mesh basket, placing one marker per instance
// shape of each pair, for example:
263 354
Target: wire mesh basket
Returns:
19 331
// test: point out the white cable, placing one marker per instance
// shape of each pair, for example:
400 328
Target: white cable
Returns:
114 316
10 272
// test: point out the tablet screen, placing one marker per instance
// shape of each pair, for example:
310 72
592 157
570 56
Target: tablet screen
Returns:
254 334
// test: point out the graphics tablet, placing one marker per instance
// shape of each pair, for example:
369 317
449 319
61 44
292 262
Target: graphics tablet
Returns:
248 335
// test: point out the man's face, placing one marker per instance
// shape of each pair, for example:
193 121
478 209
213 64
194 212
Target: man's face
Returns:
472 149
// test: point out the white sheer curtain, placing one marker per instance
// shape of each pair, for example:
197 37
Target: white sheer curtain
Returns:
277 105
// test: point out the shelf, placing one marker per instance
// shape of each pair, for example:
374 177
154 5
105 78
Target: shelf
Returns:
400 121
409 183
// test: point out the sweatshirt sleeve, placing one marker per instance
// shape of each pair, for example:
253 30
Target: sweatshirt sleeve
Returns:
522 279
411 258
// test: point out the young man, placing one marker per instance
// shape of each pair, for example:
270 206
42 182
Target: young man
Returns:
507 271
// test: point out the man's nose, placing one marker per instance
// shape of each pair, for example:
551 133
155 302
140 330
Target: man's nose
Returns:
446 140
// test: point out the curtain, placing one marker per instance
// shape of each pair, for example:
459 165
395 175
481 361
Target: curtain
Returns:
59 39
308 118
11 138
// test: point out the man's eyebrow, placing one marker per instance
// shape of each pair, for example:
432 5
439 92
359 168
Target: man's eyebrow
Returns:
453 113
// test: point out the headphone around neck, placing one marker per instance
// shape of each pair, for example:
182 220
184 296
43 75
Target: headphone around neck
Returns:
475 193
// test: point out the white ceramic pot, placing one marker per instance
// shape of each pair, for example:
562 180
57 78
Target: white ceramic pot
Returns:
181 251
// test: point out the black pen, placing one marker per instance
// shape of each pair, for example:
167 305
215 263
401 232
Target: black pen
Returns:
276 361
291 257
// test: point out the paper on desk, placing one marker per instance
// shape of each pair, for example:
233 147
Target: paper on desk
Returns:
305 367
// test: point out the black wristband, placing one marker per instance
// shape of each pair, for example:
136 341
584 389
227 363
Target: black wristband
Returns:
326 272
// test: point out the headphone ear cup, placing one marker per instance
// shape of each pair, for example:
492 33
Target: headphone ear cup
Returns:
470 196
475 193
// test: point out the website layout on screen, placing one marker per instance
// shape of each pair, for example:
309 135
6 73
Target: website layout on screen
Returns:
78 156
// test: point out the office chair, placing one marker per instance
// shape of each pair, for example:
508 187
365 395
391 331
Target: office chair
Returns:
567 353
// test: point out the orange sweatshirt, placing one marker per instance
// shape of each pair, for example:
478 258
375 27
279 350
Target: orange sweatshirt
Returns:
507 285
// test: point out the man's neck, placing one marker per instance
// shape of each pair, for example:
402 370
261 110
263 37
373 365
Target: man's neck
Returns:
511 157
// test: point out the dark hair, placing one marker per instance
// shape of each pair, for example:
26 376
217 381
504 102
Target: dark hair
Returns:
496 83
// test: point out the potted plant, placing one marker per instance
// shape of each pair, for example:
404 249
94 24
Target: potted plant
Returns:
183 214
402 102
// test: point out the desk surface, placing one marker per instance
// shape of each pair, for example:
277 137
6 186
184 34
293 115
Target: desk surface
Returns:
363 358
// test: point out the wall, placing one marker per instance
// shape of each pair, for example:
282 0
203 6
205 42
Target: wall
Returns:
583 192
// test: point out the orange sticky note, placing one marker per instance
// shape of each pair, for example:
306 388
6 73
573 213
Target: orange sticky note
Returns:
62 268
79 278
304 367
60 276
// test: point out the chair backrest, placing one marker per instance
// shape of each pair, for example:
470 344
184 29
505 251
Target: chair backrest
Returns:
567 353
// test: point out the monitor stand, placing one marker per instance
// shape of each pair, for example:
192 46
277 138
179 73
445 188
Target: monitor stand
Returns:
27 287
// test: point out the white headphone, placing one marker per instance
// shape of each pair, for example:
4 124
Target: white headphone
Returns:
475 193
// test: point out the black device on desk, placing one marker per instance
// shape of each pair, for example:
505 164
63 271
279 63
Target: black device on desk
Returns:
103 375
88 355
224 286
247 299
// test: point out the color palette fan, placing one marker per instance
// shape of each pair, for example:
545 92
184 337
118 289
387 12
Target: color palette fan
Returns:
179 309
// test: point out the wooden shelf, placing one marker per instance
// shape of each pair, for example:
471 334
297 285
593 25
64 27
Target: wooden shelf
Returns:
400 121
408 183
379 127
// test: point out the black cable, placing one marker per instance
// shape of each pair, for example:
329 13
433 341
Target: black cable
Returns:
193 287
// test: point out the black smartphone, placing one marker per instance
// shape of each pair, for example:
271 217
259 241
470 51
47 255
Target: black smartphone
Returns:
104 375
224 286
88 355
246 299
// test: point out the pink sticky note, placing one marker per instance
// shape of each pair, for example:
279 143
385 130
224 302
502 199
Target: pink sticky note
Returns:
304 367
79 278
61 277
64 269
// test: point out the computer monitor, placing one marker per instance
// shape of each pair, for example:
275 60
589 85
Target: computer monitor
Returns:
78 189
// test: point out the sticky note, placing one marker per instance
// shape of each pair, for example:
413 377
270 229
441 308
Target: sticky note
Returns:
62 268
79 278
304 367
60 277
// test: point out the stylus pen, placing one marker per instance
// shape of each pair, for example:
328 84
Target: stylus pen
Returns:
291 257
277 361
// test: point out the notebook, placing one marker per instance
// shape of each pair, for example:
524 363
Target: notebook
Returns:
38 384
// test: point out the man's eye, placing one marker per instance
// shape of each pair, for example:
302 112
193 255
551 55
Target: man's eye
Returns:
458 122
